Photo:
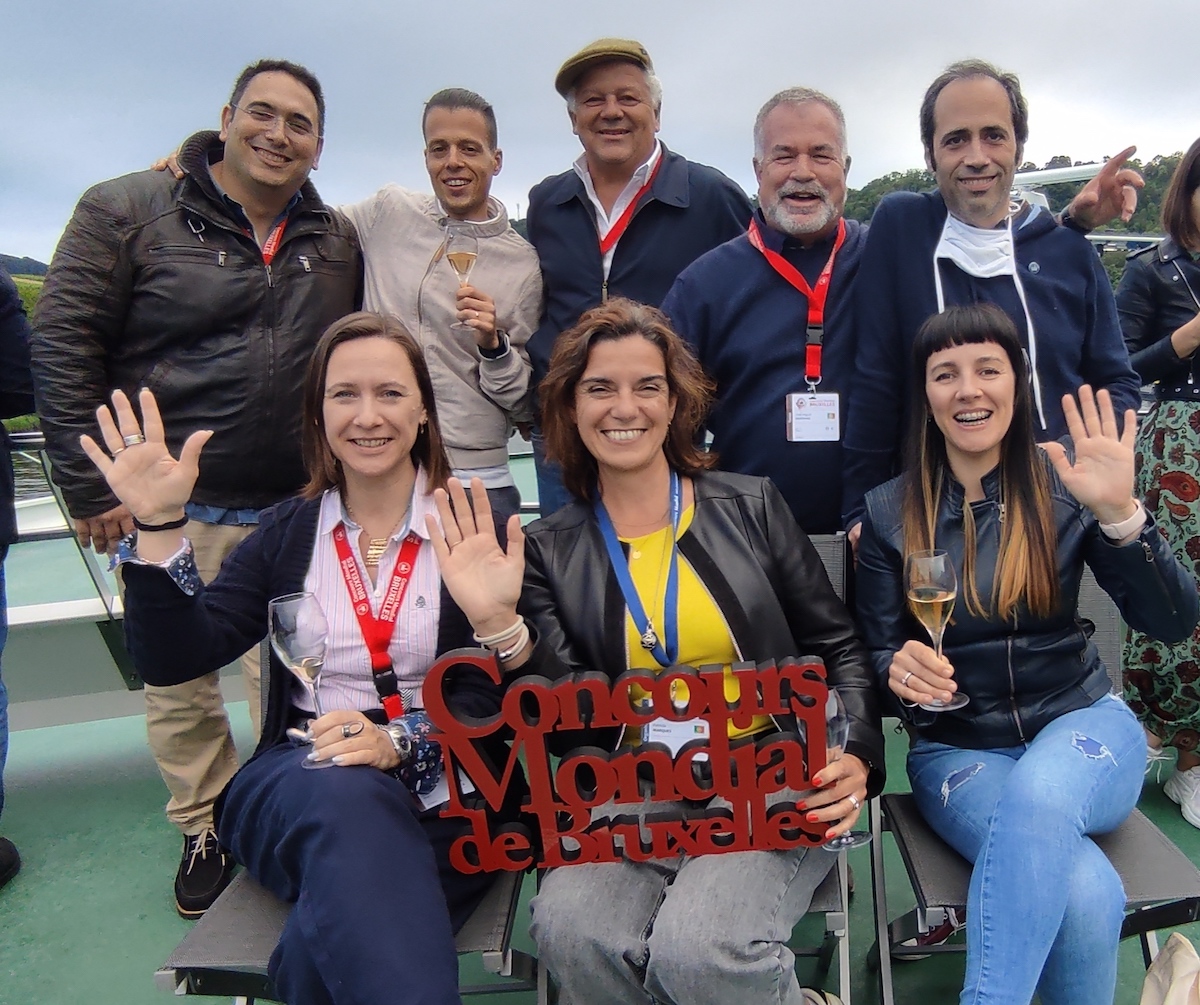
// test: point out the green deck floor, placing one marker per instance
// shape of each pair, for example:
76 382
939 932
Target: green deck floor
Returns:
90 917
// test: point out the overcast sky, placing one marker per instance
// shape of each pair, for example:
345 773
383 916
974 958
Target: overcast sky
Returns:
97 88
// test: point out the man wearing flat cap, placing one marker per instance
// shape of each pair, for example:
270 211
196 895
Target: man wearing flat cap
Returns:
628 217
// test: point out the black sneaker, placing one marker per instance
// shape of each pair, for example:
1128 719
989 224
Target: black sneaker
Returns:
203 873
10 861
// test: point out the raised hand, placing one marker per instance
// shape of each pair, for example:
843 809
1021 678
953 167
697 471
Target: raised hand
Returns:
1111 194
1101 476
139 469
484 580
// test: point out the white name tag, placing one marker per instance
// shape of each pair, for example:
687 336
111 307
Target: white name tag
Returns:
674 734
441 791
813 418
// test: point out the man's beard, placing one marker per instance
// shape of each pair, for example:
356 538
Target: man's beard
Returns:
800 225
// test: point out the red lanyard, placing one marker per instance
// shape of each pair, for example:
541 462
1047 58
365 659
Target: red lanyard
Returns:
815 332
377 632
271 244
609 240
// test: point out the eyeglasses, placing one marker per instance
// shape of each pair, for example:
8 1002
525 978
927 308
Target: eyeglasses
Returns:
298 126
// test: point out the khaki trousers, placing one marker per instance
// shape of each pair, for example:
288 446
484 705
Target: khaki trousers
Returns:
186 725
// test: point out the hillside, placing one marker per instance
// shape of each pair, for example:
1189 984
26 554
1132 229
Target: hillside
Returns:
22 266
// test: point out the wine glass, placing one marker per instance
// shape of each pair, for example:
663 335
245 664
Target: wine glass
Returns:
461 251
299 632
932 587
837 734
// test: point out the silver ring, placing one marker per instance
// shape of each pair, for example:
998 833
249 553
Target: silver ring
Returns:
350 729
904 679
854 800
133 439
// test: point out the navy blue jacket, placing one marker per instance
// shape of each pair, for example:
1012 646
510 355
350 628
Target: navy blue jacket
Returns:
1070 298
747 325
16 392
689 210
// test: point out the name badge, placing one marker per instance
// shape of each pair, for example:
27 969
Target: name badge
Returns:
813 418
674 734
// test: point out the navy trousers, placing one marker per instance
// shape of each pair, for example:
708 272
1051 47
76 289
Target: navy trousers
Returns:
376 902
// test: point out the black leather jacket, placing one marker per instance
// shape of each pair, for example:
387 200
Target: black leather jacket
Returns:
1019 676
1153 300
156 284
761 570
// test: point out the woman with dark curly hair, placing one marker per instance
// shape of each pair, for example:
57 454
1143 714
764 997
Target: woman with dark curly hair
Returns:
1159 304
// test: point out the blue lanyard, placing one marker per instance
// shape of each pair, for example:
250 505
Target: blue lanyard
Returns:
669 656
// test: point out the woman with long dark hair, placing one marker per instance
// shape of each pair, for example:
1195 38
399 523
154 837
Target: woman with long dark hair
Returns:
359 850
1042 755
1159 305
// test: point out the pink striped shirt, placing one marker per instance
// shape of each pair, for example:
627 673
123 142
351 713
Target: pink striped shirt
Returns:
346 682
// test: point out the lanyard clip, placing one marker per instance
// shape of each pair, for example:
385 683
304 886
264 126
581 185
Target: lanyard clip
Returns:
812 385
814 334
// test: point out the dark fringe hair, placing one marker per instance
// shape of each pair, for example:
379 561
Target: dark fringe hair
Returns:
1026 568
325 470
686 379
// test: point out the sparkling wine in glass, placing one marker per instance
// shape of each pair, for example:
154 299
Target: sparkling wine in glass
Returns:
932 587
461 251
299 632
837 734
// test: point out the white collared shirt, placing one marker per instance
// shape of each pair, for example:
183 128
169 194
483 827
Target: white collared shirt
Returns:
604 221
346 682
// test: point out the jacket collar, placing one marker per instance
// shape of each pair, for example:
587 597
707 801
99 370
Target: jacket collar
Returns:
956 494
1167 250
495 225
198 193
670 184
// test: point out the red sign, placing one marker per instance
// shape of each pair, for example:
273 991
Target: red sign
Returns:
744 772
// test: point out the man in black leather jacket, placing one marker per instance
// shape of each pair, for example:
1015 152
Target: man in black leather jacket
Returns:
212 291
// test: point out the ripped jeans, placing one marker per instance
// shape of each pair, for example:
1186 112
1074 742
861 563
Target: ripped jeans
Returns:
1044 908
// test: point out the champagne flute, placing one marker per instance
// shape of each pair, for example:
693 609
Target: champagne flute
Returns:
932 587
299 632
837 734
461 251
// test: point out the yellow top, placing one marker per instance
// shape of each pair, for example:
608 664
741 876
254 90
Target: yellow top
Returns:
703 634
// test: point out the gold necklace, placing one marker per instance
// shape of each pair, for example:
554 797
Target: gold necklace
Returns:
376 546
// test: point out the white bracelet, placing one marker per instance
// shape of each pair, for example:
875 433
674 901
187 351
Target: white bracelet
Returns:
1127 527
492 641
522 640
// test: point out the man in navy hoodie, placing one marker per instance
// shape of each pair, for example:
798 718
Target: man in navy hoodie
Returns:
967 243
628 217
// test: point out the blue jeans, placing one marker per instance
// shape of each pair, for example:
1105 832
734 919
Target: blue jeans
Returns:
3 690
375 900
552 494
1045 906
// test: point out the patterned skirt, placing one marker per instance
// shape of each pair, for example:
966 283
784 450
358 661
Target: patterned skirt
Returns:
1162 682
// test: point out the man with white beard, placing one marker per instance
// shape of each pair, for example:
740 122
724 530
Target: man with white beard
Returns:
768 313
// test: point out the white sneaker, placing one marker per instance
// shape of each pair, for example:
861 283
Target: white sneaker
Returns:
1183 787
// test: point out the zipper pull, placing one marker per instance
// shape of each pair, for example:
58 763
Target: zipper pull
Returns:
270 277
604 292
304 262
1149 552
197 227
221 258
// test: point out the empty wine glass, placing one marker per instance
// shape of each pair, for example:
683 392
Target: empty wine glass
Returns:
299 632
932 587
461 251
837 734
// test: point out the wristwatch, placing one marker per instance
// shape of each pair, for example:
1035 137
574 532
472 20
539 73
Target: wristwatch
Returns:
501 347
1067 220
401 737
